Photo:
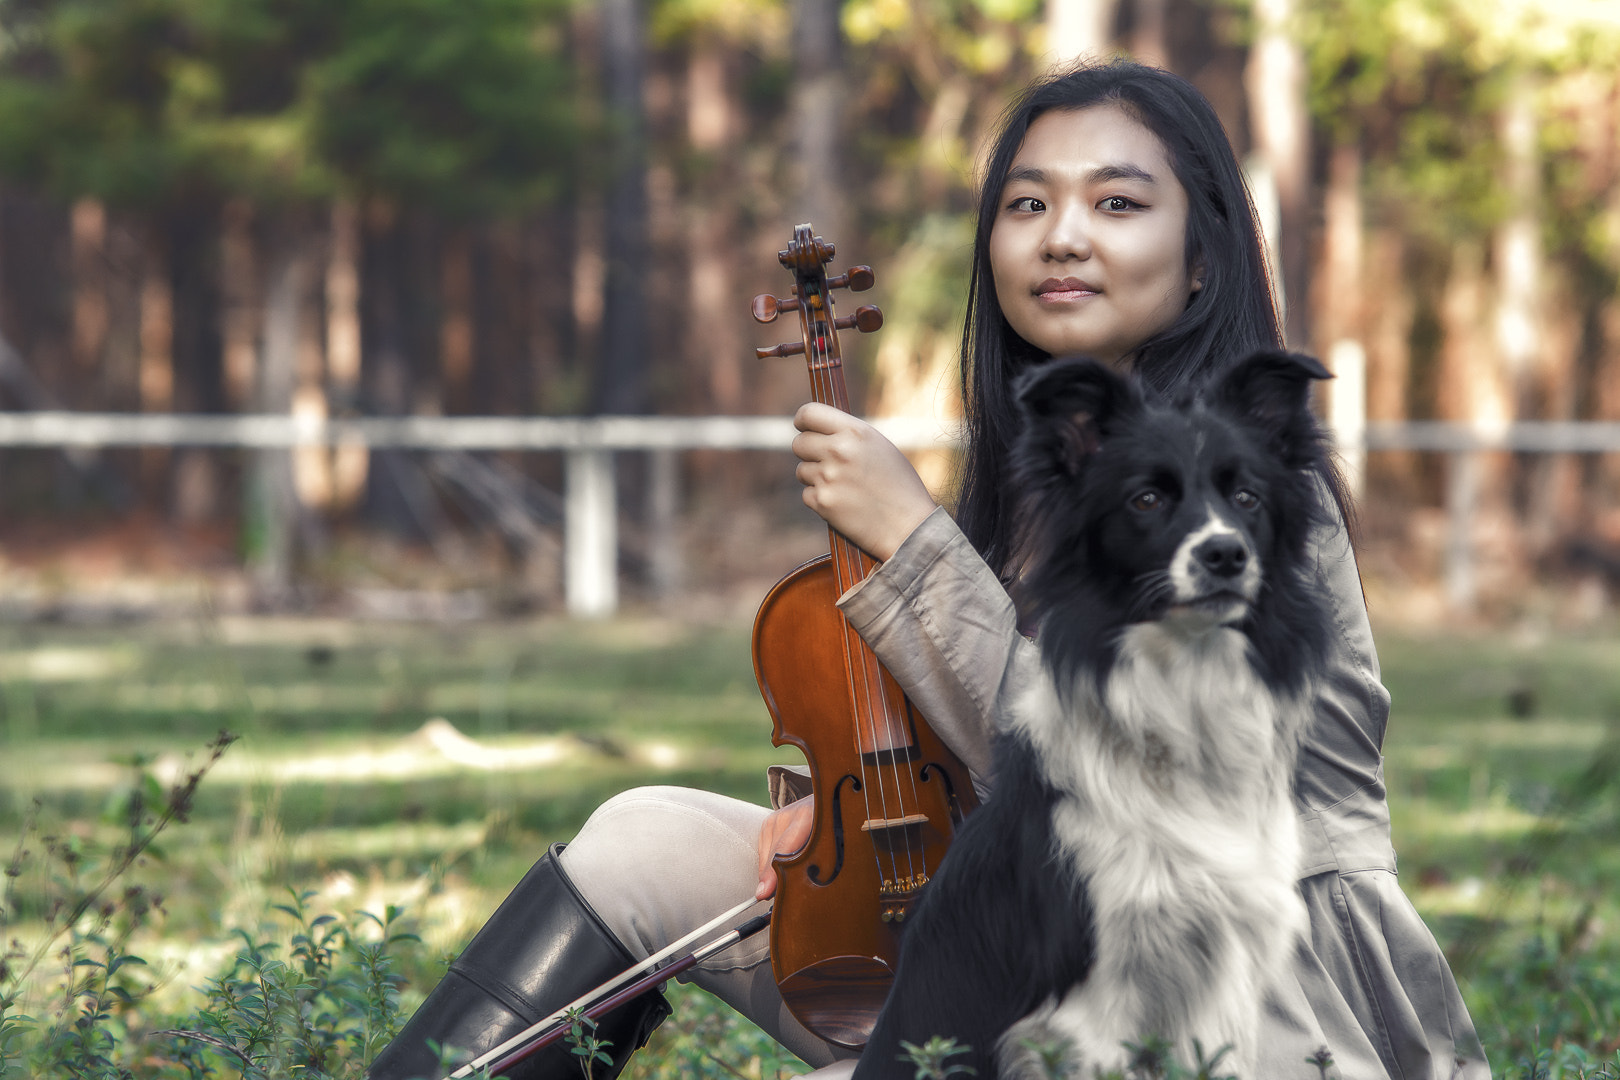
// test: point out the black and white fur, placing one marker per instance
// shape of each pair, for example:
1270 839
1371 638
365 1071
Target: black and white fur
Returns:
1134 873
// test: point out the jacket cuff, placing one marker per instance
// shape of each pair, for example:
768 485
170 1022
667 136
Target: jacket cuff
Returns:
787 784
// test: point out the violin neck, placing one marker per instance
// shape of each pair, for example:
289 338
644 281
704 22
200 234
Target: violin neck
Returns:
828 387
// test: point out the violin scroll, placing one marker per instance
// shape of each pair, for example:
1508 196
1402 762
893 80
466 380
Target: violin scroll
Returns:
806 256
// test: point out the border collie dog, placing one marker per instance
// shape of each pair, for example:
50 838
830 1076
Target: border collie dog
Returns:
1133 876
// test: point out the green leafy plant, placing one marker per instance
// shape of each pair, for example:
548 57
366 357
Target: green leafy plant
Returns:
704 1037
584 1044
323 1011
86 915
1322 1060
930 1058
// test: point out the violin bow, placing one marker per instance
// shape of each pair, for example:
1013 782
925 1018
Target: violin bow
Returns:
537 1037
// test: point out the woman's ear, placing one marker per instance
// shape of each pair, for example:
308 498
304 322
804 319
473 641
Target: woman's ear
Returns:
1198 274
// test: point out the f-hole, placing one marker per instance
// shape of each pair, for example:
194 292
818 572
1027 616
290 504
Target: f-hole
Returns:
814 872
950 789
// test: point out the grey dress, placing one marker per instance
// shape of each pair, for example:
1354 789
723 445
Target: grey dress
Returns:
1371 983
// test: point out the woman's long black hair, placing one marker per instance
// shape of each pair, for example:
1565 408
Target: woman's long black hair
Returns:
1229 317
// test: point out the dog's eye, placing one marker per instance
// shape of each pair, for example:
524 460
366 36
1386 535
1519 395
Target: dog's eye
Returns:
1246 500
1147 500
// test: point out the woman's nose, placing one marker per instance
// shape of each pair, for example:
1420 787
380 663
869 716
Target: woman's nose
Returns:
1067 235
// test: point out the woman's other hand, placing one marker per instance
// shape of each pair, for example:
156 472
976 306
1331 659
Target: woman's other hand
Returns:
784 832
857 480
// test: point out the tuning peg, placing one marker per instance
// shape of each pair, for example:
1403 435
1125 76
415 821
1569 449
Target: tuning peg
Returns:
866 319
767 307
857 279
791 348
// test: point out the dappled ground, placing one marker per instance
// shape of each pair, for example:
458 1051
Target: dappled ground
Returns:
428 765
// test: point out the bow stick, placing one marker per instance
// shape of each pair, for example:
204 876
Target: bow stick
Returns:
548 1030
640 986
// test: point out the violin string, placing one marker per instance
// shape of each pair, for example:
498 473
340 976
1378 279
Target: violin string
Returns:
825 384
850 566
896 730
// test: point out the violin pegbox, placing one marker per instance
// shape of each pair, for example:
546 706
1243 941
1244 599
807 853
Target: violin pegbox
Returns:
807 257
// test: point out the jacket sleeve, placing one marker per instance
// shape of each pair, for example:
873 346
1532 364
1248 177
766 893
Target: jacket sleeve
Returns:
938 618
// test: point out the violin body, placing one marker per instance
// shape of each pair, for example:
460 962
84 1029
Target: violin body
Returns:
889 793
831 946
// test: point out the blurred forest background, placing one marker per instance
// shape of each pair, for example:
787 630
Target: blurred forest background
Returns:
374 208
539 207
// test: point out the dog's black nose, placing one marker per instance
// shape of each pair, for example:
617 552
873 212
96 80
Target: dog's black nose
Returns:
1223 556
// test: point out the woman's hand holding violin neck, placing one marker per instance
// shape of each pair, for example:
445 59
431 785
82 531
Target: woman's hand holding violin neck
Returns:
857 480
784 832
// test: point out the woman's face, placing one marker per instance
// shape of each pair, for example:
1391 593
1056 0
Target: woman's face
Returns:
1088 249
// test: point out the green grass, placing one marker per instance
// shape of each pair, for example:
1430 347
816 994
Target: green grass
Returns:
1499 759
1503 767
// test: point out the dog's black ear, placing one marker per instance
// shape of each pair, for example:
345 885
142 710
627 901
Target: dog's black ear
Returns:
1069 404
1271 390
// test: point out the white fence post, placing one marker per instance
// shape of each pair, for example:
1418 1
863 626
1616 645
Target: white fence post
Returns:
590 536
1462 497
664 562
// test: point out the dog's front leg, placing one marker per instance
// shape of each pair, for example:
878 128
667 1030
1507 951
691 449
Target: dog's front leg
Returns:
1086 1032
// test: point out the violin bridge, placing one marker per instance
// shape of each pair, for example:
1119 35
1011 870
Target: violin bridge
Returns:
874 825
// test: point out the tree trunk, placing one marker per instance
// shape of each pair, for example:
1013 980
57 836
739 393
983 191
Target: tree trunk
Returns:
157 351
1338 288
1340 338
550 286
1389 356
1276 85
273 509
503 376
240 317
1516 247
343 348
716 343
1484 542
456 325
1078 29
386 369
89 224
817 112
1149 41
1528 371
621 385
193 238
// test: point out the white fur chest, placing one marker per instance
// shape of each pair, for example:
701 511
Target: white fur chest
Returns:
1175 805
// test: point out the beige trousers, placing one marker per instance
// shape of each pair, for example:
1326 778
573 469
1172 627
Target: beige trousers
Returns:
658 862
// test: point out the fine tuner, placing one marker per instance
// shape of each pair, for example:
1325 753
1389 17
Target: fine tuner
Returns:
865 319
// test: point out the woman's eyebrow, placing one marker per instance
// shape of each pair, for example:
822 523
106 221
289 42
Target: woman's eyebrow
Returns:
1102 174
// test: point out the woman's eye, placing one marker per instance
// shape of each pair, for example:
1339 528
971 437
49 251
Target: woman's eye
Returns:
1246 500
1027 204
1147 500
1119 203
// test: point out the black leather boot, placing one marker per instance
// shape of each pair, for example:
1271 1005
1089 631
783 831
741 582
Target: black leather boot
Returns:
541 950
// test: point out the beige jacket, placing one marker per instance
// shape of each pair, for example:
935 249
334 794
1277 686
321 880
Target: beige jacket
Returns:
1372 984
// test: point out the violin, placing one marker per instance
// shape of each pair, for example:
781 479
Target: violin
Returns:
889 794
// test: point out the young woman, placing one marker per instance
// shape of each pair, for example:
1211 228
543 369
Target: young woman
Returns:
1113 222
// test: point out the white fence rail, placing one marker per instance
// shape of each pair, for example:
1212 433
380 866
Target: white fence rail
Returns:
590 501
590 533
269 431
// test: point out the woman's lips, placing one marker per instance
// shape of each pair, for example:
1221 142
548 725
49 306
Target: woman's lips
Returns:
1057 290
